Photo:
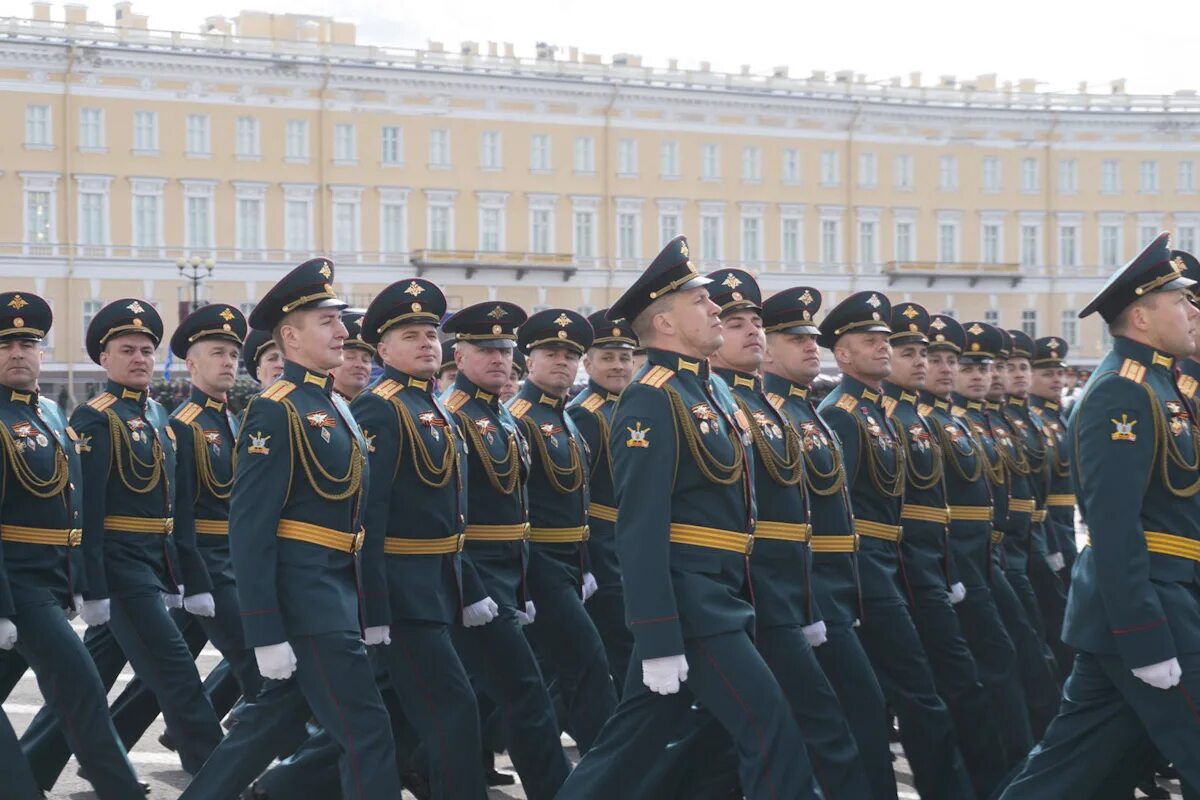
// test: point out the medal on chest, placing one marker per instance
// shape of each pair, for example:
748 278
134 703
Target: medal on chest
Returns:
550 431
213 440
767 426
137 429
433 422
812 437
1177 417
323 421
707 416
487 429
28 436
881 437
919 439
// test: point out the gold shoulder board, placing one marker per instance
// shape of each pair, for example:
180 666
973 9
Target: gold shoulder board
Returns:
519 408
924 409
775 400
187 413
958 411
1133 370
846 402
457 399
387 389
102 401
278 390
593 403
657 376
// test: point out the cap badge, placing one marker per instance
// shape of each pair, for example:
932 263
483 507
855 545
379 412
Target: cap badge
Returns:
562 334
414 289
683 250
325 272
18 323
136 307
416 307
910 312
975 330
137 323
1052 344
616 332
737 297
937 324
226 315
874 302
731 281
17 302
562 321
806 315
496 329
496 313
807 297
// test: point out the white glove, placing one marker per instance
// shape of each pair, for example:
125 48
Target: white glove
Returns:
480 613
526 617
377 634
200 605
95 612
173 600
815 634
76 604
663 675
8 634
1163 675
589 585
1056 561
957 593
276 661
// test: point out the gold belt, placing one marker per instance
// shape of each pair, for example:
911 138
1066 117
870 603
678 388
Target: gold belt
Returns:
926 514
834 544
787 531
1038 516
877 530
497 533
320 535
714 538
157 525
396 546
997 536
559 535
606 513
1053 500
1023 506
1168 544
213 527
971 513
56 537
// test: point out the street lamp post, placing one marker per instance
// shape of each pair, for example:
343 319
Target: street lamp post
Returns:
195 269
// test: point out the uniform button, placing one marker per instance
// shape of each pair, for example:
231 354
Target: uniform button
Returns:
72 485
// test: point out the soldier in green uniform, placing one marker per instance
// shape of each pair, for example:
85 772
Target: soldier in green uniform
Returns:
560 571
353 376
1045 403
1133 613
857 331
497 601
929 574
1189 368
448 369
295 523
261 357
40 521
791 362
684 540
417 500
609 365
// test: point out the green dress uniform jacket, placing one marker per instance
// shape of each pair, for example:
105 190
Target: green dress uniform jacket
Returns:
1017 522
591 411
1060 500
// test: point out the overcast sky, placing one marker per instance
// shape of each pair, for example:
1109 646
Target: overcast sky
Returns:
1154 44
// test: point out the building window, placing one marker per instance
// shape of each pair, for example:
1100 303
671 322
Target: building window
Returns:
1030 245
296 140
866 170
345 226
948 173
992 317
489 150
147 220
1029 175
541 230
947 242
1187 177
1146 235
710 163
1110 245
669 159
345 143
91 128
831 241
627 157
1148 177
585 234
491 229
440 228
250 223
752 164
37 126
1068 176
1068 246
1185 237
627 235
904 172
751 239
93 218
145 131
790 241
297 225
1029 322
990 246
710 237
904 241
991 174
668 228
539 152
198 135
585 155
90 309
867 242
247 138
439 147
1110 176
791 165
1070 327
391 143
829 168
199 222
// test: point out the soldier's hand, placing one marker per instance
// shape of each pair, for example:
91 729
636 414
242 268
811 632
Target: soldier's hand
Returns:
589 585
377 635
1056 561
8 634
527 616
480 613
73 609
663 675
94 612
1163 675
276 661
957 593
815 634
201 605
173 600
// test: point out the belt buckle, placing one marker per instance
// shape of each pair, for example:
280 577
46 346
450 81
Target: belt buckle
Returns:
74 537
749 544
168 526
356 541
587 532
526 533
462 538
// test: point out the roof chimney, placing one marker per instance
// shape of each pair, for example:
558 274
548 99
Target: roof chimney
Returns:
41 11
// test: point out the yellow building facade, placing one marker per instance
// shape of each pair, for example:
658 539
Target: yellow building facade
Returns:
132 155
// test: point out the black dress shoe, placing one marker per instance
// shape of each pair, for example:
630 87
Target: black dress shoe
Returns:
1152 790
166 741
418 784
497 778
143 785
252 793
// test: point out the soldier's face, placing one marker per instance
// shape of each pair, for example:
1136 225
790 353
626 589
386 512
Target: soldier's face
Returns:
1048 382
316 337
20 363
512 385
995 390
910 366
270 366
553 369
1170 322
973 380
611 368
943 368
355 372
865 355
696 320
794 356
213 365
412 349
745 342
129 360
486 367
1016 377
447 376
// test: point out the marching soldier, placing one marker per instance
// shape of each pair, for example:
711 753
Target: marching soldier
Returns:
41 515
857 332
560 573
417 501
496 598
1189 368
1045 403
448 370
515 376
788 623
295 518
353 376
1134 605
609 365
684 538
792 361
261 357
981 344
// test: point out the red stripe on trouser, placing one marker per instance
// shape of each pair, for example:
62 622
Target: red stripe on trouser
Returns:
350 752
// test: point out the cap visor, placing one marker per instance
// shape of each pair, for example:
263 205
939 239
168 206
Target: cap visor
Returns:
502 344
694 283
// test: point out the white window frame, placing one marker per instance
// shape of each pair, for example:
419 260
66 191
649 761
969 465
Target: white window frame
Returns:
790 173
947 173
712 219
751 164
302 193
830 221
1034 220
392 197
1068 176
145 148
95 186
710 161
541 204
751 233
255 236
1069 326
153 188
627 158
986 222
993 175
585 155
391 146
1031 178
907 219
1148 177
1111 223
902 166
92 133
949 221
668 160
197 136
791 215
669 210
1110 176
198 189
346 195
584 206
39 127
540 154
1030 322
628 207
1185 176
868 177
491 144
440 152
867 220
296 150
830 168
493 203
345 143
444 199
